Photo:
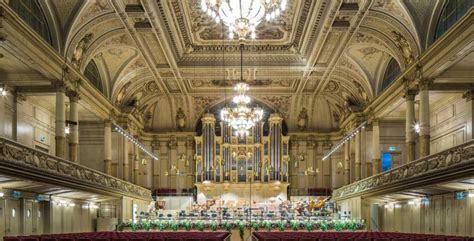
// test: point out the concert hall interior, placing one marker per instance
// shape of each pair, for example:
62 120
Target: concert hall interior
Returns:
237 120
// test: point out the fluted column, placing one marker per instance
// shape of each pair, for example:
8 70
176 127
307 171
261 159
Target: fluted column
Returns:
376 147
347 163
60 120
108 147
409 126
358 157
424 110
74 126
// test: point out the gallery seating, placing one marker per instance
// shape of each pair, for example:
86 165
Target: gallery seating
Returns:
353 236
126 236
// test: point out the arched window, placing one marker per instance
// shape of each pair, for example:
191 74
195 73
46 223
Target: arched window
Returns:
391 73
452 11
92 73
30 11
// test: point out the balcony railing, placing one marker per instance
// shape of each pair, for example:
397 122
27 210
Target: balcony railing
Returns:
454 163
21 161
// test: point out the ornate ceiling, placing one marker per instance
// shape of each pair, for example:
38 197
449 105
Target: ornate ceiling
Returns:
323 57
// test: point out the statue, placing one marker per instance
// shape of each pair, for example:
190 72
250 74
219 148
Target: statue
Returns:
180 119
121 94
302 119
80 49
362 92
402 43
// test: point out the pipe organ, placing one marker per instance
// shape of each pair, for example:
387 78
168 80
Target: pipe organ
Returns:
228 158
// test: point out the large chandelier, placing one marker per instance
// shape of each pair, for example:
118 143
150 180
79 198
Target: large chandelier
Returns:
243 16
241 117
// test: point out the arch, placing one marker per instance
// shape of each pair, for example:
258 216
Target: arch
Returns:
92 73
32 13
392 71
452 11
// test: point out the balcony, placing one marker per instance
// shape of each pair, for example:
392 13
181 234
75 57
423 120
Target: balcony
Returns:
21 161
451 164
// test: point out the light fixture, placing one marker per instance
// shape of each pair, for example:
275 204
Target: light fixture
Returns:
3 91
344 140
411 202
67 130
471 194
2 194
241 117
134 141
417 127
243 16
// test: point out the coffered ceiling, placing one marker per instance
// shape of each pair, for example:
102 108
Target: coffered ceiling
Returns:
155 57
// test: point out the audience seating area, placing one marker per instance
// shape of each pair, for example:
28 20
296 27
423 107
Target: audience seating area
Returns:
352 236
126 236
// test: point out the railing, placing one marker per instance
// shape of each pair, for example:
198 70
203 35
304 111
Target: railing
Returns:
19 160
450 164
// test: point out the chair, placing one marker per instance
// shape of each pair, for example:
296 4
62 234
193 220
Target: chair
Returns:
48 239
11 239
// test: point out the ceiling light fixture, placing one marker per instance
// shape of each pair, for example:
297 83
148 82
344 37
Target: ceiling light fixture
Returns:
241 117
243 16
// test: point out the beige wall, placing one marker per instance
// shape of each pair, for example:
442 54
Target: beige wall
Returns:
449 121
442 215
169 147
57 215
328 174
35 123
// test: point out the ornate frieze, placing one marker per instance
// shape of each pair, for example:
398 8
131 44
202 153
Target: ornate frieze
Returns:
442 163
17 158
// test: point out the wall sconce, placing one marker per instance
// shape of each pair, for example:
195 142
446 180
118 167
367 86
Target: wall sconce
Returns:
67 130
3 91
416 127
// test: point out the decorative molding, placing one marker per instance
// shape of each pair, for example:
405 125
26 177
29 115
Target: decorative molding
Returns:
28 162
437 166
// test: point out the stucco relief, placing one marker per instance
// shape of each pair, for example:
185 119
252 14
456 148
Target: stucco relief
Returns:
25 158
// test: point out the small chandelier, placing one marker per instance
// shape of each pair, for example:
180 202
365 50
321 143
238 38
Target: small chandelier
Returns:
243 16
241 117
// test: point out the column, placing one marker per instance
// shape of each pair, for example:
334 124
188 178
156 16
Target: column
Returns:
60 120
16 100
347 163
125 165
409 126
424 118
376 168
136 164
357 161
74 125
108 147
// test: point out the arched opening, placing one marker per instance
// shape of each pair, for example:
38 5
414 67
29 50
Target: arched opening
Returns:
452 11
30 11
92 73
391 73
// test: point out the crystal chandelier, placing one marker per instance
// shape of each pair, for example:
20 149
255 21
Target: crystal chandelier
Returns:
241 117
243 16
